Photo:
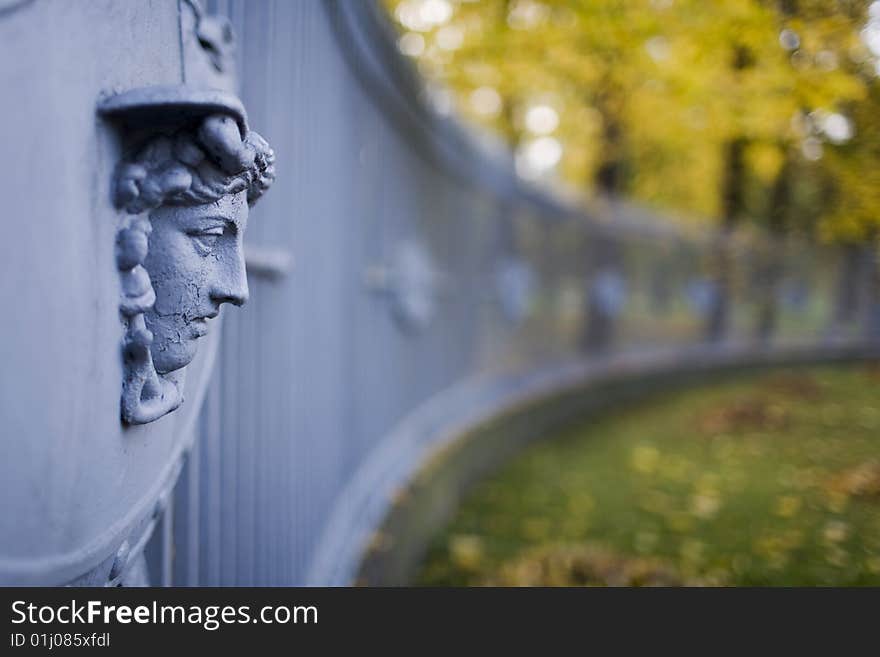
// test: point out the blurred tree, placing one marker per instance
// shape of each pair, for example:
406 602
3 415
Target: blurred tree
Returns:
853 177
759 110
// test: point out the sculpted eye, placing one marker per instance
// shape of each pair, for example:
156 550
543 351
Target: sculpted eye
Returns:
205 240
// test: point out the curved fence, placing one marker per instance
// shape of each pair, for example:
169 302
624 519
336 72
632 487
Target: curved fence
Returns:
406 286
430 289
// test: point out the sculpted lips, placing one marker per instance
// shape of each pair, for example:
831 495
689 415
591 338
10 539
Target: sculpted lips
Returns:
199 325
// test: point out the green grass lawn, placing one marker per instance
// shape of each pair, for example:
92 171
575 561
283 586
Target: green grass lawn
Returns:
766 479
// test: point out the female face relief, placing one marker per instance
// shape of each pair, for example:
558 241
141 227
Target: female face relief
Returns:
196 264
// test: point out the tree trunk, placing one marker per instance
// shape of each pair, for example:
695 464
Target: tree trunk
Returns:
771 267
732 207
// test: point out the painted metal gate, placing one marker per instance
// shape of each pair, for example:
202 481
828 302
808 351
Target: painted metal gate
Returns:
402 284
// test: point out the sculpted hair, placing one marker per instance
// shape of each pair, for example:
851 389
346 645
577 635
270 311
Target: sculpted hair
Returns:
194 167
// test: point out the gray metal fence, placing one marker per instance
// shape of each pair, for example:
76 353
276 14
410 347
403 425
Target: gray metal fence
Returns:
425 276
404 285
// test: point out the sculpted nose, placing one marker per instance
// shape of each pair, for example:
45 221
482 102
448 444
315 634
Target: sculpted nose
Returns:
237 297
233 286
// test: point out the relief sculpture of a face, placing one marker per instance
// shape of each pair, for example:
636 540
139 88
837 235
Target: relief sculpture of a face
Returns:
186 194
196 264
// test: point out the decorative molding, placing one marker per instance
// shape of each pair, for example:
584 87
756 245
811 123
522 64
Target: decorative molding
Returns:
516 287
208 47
215 36
411 282
267 261
7 7
183 193
608 292
126 565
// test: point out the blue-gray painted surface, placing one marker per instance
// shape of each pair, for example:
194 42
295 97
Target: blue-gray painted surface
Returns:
403 284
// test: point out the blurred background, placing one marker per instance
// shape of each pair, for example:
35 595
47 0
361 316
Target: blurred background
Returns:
754 120
761 112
